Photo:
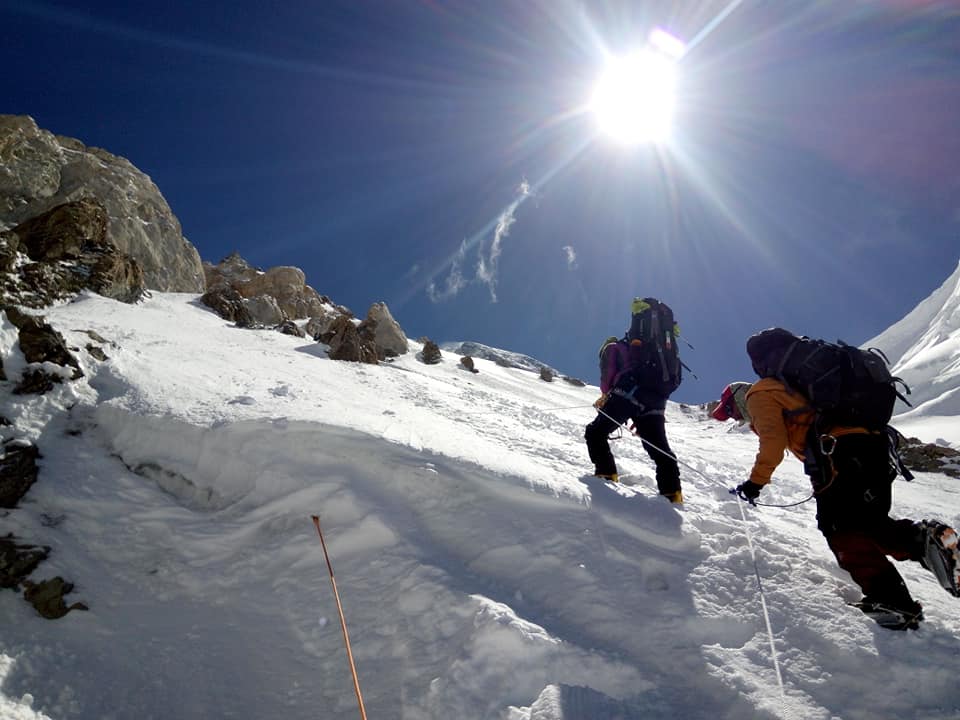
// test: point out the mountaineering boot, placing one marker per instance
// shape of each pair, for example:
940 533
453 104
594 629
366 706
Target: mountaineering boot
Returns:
891 616
675 497
611 477
941 554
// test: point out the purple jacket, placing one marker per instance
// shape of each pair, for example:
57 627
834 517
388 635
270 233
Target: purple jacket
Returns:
613 360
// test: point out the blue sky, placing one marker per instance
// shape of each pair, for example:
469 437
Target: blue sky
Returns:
811 182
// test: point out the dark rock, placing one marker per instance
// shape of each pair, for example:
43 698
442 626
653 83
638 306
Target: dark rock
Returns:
577 382
36 382
927 457
71 251
289 327
47 597
546 374
18 471
346 343
63 232
18 561
431 352
468 363
96 352
9 251
228 304
40 343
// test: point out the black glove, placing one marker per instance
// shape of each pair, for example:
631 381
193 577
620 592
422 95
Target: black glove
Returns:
749 491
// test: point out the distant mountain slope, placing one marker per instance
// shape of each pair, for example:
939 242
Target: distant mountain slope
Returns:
924 350
504 358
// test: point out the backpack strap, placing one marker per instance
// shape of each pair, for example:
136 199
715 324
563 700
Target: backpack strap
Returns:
906 389
894 436
655 333
778 372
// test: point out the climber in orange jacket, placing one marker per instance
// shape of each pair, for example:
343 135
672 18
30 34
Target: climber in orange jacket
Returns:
852 472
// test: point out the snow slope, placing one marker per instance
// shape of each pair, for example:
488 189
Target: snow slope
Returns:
483 574
924 350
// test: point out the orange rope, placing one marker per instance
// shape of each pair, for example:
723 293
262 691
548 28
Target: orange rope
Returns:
343 623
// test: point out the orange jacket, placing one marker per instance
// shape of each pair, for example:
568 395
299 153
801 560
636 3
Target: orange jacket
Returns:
772 406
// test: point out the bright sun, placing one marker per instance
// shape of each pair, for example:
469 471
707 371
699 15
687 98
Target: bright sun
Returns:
633 99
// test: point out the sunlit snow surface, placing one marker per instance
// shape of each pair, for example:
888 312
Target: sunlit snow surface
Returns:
482 573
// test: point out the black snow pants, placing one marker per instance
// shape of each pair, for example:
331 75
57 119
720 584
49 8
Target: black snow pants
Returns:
852 478
650 426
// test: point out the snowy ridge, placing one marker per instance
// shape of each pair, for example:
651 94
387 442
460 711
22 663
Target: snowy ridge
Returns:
924 350
501 357
483 573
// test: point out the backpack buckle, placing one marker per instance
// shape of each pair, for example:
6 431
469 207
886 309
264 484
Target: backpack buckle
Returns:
828 443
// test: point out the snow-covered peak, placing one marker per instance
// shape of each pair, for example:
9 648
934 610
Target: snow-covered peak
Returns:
924 350
505 358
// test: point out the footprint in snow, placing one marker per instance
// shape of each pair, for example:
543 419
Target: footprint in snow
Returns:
242 400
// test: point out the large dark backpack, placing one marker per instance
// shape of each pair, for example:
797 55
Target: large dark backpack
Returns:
846 385
653 355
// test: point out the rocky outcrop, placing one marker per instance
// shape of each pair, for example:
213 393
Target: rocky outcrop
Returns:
289 327
319 325
290 298
467 362
18 471
40 171
56 254
430 354
348 343
46 597
42 347
277 297
265 311
41 343
389 336
17 561
927 457
227 303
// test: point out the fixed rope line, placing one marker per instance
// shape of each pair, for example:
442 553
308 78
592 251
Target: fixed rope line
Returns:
753 554
693 469
763 599
571 407
343 623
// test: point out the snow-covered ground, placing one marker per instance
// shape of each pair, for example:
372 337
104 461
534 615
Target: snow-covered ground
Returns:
483 573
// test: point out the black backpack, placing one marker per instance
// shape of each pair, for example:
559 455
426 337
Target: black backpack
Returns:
653 355
844 384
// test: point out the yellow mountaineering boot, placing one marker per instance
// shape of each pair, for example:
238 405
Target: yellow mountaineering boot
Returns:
674 497
612 477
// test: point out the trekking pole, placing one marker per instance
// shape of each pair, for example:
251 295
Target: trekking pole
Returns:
687 368
571 407
343 623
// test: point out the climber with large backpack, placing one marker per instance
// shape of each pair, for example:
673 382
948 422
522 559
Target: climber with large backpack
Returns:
637 374
830 405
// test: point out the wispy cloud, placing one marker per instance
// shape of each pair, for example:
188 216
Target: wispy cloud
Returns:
486 262
454 281
571 257
487 266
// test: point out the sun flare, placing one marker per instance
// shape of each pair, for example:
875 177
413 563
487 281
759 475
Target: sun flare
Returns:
634 98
